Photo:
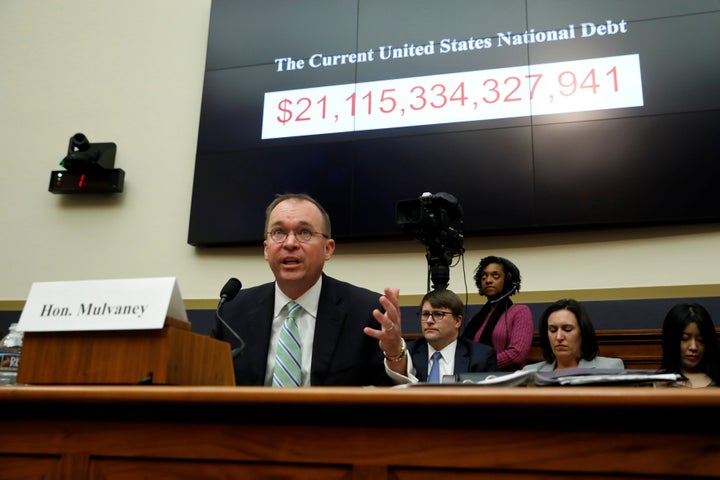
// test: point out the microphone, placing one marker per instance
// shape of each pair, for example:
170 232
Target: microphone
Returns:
510 292
228 292
507 326
231 288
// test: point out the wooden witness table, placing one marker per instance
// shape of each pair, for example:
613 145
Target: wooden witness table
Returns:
448 432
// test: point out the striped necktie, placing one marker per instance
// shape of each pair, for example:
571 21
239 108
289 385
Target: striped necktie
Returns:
287 371
434 376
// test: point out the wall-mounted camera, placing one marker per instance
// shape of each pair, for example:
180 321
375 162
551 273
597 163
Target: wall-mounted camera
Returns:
88 168
436 220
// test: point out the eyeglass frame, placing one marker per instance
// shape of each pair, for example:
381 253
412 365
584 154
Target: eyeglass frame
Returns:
296 233
425 316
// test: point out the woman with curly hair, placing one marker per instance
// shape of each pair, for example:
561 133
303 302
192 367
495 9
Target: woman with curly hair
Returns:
500 323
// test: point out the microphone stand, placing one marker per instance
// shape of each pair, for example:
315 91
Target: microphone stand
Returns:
236 351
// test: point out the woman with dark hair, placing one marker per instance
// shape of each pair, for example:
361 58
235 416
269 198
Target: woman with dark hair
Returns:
506 327
690 345
567 339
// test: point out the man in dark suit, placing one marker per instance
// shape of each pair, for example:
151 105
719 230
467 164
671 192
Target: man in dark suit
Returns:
441 348
324 343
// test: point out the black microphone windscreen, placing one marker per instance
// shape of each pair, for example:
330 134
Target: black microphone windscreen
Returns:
231 288
228 292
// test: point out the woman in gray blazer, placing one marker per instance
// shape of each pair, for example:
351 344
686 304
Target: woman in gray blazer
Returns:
567 340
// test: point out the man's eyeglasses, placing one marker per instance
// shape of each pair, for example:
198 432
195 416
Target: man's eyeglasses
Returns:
303 235
436 316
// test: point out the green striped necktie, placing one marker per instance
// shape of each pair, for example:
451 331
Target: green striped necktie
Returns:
288 355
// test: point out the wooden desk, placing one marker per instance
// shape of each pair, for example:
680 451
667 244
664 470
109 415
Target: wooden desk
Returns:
441 432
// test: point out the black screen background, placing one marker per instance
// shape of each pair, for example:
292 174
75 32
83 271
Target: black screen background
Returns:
652 164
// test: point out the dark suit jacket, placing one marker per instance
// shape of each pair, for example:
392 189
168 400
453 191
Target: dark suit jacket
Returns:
342 353
469 357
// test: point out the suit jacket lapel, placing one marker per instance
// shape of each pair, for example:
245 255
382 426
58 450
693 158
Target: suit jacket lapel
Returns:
462 357
419 353
328 325
260 334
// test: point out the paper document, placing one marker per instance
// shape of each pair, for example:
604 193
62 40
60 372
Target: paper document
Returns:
565 377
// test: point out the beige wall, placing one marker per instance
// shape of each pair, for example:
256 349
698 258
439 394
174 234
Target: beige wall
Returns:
131 72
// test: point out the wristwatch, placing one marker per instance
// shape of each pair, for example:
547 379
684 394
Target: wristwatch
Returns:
399 356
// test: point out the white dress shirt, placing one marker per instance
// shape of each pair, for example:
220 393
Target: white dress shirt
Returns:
306 326
447 365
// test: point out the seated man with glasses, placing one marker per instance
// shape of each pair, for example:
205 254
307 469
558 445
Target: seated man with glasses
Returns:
441 350
305 328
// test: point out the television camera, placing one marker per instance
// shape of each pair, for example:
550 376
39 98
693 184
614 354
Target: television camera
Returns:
436 220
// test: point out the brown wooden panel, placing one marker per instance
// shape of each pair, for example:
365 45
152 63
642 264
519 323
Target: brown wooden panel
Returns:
22 467
516 433
172 355
121 451
167 469
457 474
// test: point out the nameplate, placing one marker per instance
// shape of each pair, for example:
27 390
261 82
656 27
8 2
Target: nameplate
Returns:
90 305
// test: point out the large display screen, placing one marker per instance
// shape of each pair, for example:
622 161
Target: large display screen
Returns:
534 114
